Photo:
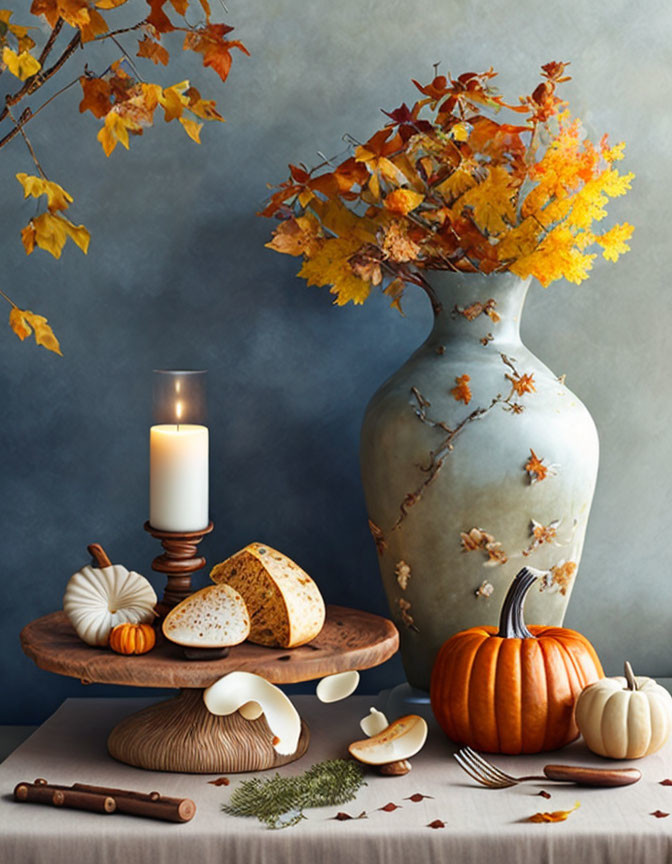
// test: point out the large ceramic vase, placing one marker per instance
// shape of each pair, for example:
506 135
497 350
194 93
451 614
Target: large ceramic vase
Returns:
476 460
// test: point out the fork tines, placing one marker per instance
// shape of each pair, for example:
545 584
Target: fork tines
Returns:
482 771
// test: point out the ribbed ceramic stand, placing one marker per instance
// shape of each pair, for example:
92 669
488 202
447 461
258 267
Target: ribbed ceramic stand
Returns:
180 734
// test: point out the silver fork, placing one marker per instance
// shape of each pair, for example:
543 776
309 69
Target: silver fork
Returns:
487 774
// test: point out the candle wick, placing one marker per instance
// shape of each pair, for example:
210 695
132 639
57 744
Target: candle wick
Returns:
178 427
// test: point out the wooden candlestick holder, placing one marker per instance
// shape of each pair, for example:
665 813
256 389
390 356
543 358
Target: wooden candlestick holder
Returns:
178 562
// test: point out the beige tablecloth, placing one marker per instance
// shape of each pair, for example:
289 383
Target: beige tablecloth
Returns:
482 825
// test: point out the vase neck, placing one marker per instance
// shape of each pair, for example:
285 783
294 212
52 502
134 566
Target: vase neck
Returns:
473 305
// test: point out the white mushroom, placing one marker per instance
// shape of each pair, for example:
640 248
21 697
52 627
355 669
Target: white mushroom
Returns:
374 722
333 688
400 740
240 689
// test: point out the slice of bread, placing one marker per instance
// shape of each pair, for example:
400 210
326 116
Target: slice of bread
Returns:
285 605
213 617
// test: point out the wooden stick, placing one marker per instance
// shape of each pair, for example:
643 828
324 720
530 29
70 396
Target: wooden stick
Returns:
150 804
99 555
64 797
101 799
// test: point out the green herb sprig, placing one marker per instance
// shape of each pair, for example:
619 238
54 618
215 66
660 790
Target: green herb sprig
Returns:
325 784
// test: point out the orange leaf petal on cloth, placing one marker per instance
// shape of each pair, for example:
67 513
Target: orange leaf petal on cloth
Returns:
555 816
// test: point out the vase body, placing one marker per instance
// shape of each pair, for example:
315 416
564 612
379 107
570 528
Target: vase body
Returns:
453 509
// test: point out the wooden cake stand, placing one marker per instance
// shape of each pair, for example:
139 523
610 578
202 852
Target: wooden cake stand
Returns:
180 734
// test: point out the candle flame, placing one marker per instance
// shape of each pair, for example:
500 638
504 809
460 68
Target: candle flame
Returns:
178 411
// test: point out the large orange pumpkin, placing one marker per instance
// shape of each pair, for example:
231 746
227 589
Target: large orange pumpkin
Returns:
512 690
132 638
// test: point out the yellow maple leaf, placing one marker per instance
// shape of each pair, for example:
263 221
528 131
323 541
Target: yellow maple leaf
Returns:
50 232
613 242
490 201
22 65
329 266
456 183
192 128
336 217
554 258
24 322
115 131
57 197
615 184
519 241
403 201
173 101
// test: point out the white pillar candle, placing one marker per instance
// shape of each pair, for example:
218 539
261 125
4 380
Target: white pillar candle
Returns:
178 477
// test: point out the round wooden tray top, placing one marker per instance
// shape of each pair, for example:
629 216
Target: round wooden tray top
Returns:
350 639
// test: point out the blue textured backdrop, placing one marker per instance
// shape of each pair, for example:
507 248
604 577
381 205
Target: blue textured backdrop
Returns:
177 276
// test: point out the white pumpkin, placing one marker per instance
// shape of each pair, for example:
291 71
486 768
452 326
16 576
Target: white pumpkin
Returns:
98 598
624 718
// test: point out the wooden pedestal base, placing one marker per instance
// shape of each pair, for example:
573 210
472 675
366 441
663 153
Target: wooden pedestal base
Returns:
181 735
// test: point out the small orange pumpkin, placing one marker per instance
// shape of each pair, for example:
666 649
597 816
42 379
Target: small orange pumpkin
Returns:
132 638
512 690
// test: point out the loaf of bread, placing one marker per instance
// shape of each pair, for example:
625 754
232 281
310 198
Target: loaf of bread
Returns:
214 617
285 605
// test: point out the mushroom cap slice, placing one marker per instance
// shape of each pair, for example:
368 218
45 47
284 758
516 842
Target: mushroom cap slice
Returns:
238 689
374 722
333 688
213 617
401 740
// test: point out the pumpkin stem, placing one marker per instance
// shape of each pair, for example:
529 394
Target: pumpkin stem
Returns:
99 555
630 677
511 621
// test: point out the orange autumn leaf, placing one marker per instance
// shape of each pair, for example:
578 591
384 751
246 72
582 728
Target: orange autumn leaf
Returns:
204 108
554 816
24 322
97 93
297 236
535 467
153 51
402 201
462 392
81 14
216 50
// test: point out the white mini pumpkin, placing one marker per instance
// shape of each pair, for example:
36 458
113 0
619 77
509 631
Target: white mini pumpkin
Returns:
624 718
98 598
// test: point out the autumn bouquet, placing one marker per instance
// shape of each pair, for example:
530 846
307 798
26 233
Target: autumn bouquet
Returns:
448 185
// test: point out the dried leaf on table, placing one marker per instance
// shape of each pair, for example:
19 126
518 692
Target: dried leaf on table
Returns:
220 781
437 823
659 814
344 817
555 816
418 796
666 782
389 808
544 794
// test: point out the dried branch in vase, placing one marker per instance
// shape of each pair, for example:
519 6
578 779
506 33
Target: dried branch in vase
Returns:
444 185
